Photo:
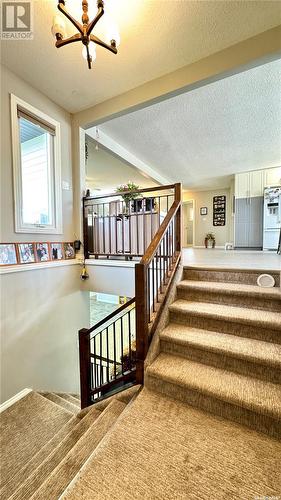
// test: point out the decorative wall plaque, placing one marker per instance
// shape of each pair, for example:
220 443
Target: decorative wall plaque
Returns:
219 209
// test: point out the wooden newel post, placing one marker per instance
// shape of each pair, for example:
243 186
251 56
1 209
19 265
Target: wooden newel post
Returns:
178 229
85 230
141 320
85 367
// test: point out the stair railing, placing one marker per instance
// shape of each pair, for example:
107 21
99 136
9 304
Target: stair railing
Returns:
123 224
153 276
107 353
113 351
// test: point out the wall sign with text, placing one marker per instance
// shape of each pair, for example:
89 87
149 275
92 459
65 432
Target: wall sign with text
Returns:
219 209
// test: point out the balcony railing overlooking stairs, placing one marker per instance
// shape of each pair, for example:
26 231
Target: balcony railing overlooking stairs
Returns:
112 352
116 225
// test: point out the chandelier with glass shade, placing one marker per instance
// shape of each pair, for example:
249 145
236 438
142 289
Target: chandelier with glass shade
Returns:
85 29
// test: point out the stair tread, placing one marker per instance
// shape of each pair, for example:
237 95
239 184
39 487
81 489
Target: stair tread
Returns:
28 468
264 318
61 401
56 455
26 427
253 394
232 288
69 467
232 345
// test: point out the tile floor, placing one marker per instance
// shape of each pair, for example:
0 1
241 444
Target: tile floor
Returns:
242 259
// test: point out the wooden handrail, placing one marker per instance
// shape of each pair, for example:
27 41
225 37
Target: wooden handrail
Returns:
170 229
110 316
152 248
121 193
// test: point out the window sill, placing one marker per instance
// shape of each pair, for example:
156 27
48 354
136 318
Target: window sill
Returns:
40 265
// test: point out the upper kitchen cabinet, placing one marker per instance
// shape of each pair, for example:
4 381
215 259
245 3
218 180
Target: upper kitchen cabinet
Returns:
272 177
249 184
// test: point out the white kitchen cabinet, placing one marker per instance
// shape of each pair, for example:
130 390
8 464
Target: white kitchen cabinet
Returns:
272 177
249 184
256 183
242 185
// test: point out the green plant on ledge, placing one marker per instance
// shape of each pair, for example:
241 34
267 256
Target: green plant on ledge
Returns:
210 240
130 186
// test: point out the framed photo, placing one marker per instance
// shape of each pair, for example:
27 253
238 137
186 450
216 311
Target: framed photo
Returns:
26 253
69 251
42 252
203 211
56 251
8 254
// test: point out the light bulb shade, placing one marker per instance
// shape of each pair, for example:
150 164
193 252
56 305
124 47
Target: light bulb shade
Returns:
58 27
92 51
111 30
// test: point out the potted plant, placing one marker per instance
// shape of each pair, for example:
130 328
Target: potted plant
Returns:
129 196
210 240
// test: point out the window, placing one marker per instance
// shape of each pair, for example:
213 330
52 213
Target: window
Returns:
36 164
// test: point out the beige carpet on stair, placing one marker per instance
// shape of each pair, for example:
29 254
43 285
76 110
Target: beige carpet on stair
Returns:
60 478
46 467
25 428
164 449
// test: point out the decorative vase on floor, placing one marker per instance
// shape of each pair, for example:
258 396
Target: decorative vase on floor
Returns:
210 240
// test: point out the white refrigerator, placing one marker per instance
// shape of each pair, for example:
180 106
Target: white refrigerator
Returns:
272 217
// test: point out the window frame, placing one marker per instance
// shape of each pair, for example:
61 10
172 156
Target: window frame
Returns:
20 226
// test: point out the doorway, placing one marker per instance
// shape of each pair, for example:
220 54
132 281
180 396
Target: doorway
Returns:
188 223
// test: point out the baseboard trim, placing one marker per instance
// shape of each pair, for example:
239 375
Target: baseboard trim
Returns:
14 399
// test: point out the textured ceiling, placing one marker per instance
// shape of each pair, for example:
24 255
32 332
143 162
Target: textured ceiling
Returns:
204 136
157 37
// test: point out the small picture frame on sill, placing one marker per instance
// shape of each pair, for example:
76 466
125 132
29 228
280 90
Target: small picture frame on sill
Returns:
8 254
69 251
42 252
26 253
203 211
56 251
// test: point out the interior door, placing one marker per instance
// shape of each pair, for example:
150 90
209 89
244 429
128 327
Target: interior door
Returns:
188 216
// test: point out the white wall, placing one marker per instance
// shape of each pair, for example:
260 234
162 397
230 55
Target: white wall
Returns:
42 309
41 313
10 83
116 278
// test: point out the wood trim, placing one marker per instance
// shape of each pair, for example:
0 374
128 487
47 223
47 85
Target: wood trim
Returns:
143 190
85 367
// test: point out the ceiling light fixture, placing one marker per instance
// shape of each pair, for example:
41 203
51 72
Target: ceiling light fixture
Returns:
85 31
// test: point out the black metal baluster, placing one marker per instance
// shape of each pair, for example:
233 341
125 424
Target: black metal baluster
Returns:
95 363
137 220
143 226
157 280
153 285
122 347
130 340
107 352
103 228
123 233
101 381
130 230
114 349
116 234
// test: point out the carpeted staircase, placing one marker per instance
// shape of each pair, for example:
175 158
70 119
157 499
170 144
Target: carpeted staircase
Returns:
45 436
221 350
214 366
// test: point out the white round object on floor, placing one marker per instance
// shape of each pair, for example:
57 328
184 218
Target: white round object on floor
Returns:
266 281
